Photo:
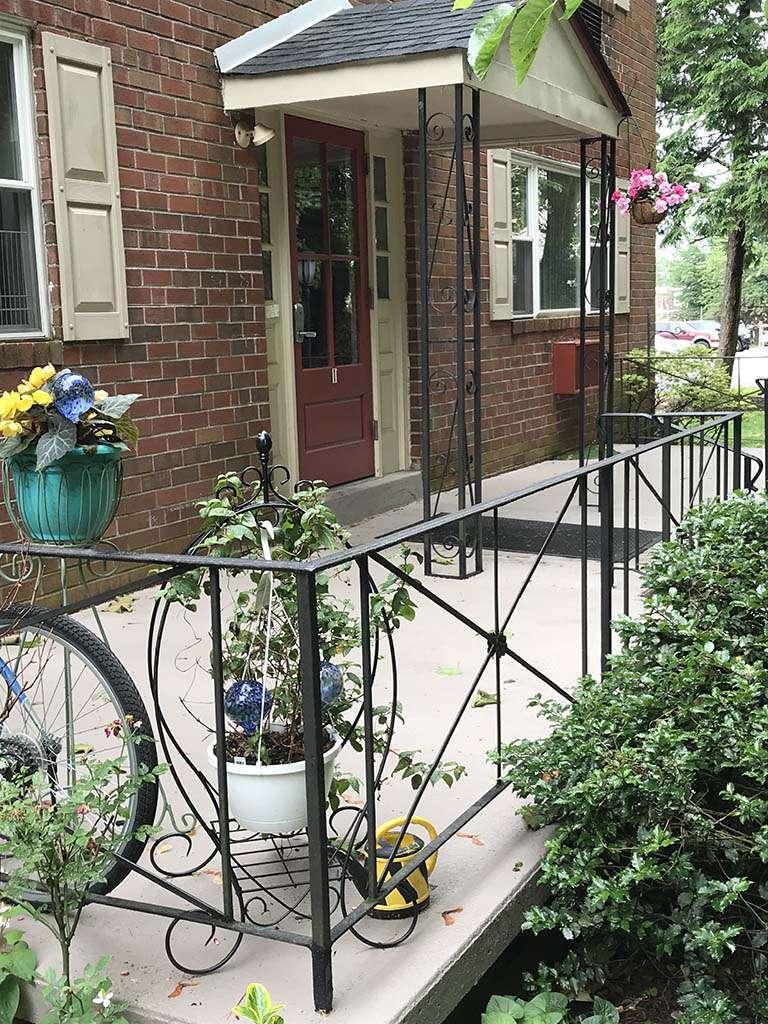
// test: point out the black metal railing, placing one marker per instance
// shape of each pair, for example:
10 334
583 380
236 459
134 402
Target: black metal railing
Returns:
599 519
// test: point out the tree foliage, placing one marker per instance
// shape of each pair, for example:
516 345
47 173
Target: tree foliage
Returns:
713 76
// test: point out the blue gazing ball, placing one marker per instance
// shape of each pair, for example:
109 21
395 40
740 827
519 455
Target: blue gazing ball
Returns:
72 395
331 683
243 701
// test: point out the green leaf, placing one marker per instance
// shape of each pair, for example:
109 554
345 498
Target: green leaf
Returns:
513 1008
13 445
60 438
9 1000
526 34
448 670
487 37
116 406
571 6
127 430
462 5
483 699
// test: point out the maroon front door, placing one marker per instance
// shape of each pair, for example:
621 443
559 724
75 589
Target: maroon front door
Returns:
331 320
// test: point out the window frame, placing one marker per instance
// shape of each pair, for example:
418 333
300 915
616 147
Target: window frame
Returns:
534 165
30 179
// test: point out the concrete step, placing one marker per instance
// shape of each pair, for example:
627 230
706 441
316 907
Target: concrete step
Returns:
355 502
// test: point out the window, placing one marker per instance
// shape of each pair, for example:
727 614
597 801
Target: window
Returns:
381 215
20 238
266 224
534 217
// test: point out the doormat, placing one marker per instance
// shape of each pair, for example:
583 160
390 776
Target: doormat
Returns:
527 536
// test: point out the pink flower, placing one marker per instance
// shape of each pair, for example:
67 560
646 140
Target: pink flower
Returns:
661 205
661 178
693 187
642 179
623 205
616 195
633 190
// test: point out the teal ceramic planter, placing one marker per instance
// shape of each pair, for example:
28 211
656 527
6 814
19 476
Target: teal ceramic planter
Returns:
74 500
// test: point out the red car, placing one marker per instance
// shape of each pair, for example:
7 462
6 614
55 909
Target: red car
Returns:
688 334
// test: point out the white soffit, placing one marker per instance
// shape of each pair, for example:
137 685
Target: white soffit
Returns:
234 53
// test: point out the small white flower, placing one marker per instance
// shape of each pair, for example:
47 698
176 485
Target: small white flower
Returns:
104 999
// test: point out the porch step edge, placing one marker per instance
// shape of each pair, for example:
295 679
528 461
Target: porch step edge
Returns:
355 502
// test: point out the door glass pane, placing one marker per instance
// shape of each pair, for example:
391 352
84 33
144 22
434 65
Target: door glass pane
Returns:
519 197
344 288
308 195
558 240
266 268
314 334
382 228
10 152
380 179
341 205
595 251
382 277
266 230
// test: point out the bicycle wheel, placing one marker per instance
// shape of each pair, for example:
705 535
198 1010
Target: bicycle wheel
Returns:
64 692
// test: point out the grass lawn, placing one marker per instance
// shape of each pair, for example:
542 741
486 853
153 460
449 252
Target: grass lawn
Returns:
752 435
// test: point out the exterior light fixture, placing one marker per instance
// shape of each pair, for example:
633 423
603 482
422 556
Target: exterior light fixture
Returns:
258 135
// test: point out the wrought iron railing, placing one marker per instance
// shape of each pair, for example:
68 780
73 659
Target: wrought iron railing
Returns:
600 520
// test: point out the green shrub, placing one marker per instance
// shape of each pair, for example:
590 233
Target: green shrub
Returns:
656 779
691 381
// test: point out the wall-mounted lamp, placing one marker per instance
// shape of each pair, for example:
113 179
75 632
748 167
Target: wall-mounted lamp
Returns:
258 135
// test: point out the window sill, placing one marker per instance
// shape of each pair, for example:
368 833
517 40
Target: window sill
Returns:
23 351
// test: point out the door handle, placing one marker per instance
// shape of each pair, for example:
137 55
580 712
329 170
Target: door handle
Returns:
299 334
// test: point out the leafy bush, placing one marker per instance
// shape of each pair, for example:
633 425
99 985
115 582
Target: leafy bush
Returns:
691 381
545 1008
657 778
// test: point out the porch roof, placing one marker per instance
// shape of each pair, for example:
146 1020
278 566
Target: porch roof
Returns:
364 63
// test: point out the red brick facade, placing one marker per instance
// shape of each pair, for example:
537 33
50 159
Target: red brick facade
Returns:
190 209
523 420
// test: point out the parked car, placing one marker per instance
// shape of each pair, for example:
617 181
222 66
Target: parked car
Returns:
744 338
686 333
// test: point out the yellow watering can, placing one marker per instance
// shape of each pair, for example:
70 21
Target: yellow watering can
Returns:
412 894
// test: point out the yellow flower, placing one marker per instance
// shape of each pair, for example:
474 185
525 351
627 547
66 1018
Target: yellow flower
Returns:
99 397
41 375
24 402
42 398
25 388
9 403
10 428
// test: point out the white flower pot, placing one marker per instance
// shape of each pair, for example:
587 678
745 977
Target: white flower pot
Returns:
272 798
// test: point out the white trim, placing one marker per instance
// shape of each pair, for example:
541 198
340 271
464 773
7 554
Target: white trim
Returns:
264 37
29 181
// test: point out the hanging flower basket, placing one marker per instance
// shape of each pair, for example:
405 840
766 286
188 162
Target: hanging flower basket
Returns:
73 501
650 197
272 798
646 213
61 450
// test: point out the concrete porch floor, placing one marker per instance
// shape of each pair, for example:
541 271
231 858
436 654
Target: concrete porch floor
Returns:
486 875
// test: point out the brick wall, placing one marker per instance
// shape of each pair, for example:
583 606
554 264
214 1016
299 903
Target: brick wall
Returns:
522 420
196 350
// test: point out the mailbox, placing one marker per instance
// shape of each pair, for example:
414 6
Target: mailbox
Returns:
565 366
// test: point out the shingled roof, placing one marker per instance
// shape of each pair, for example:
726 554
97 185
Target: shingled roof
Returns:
368 32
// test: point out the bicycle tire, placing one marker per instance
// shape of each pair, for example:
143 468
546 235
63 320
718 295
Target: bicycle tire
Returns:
127 698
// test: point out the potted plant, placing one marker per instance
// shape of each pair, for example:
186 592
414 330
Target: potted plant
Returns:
650 196
62 447
264 750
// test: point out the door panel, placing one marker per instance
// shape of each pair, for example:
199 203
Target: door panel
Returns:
331 324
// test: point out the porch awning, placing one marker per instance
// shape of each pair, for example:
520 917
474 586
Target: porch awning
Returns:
365 63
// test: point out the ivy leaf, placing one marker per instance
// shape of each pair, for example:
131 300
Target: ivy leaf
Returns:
487 36
526 34
9 999
116 405
13 445
60 438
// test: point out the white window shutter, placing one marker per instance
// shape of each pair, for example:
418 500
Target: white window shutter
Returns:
89 231
621 256
500 232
